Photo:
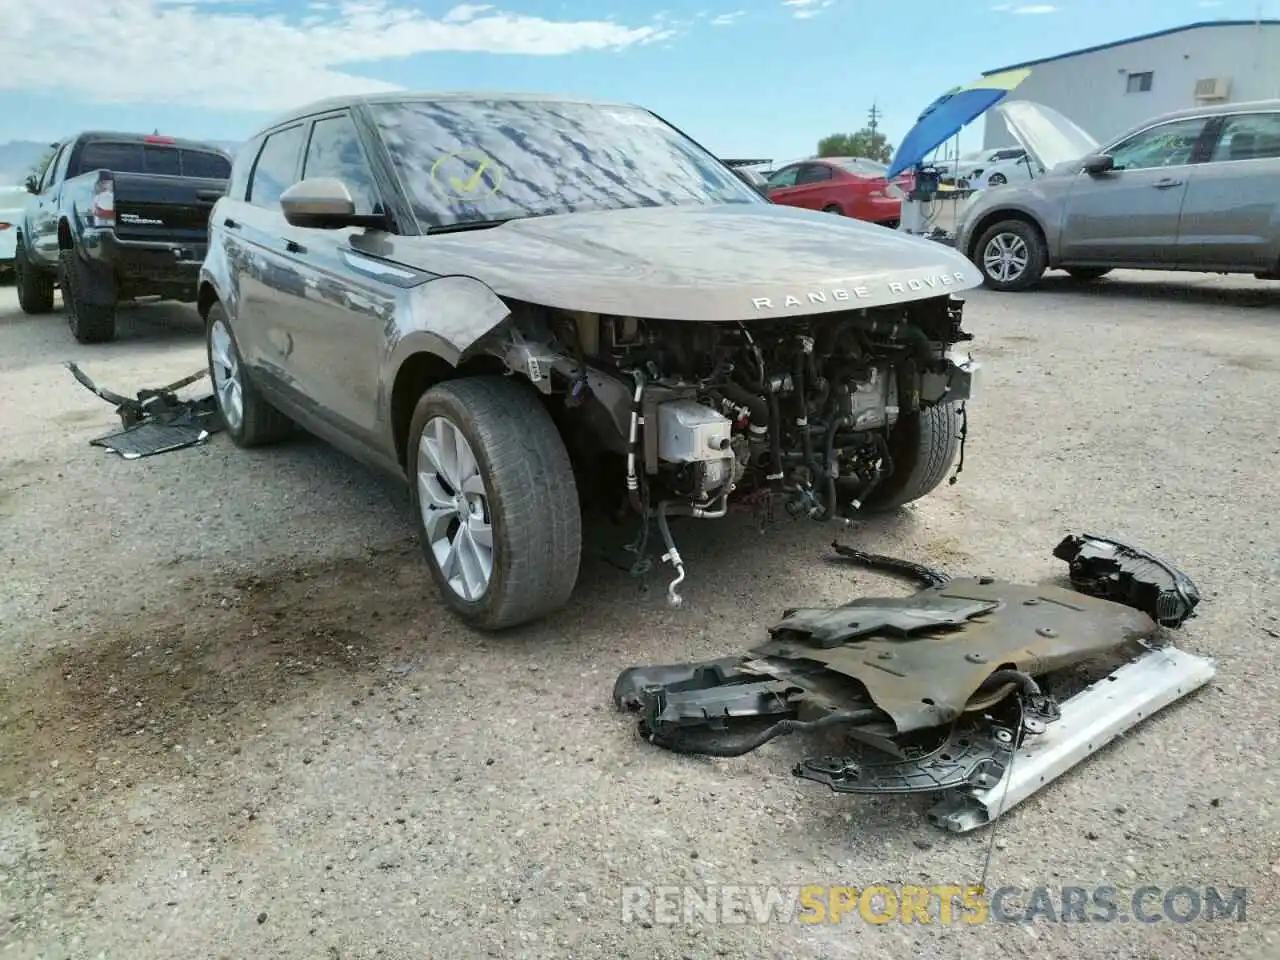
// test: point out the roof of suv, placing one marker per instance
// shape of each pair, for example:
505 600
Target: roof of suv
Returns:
338 103
1215 110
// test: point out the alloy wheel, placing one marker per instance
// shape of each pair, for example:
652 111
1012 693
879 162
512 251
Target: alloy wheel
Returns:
226 375
1005 257
455 508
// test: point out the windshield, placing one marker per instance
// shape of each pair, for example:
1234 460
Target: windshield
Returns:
1048 136
473 160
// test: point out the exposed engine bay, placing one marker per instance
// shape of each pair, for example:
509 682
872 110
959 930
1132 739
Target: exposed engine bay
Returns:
798 411
944 691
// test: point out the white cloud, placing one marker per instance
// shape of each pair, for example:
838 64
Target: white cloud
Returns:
241 55
724 19
807 9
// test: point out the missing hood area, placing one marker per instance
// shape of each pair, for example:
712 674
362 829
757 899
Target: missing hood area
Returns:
962 689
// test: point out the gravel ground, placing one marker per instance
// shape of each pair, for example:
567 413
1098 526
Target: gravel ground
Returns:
235 722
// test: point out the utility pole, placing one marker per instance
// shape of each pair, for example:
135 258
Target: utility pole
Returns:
873 118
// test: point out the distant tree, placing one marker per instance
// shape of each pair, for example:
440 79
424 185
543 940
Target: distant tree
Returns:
865 143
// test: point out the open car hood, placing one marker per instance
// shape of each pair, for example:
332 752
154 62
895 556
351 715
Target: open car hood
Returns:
1049 137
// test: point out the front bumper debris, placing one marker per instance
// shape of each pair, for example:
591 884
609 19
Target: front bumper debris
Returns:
942 691
156 420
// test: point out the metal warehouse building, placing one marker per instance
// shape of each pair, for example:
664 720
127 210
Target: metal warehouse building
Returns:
1109 88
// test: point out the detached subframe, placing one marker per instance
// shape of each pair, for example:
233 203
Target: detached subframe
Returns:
944 691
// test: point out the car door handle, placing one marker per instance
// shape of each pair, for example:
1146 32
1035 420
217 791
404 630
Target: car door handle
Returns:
293 246
230 224
1166 183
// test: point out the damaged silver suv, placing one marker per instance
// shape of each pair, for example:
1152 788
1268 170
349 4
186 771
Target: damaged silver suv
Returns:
525 305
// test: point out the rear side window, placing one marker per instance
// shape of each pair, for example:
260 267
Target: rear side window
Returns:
335 151
277 167
813 173
1249 136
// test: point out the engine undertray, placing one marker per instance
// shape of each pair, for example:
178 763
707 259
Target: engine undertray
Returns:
935 692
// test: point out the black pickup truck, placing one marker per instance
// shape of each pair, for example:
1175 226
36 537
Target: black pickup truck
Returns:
116 217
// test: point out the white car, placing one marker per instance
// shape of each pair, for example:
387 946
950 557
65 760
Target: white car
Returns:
991 168
12 202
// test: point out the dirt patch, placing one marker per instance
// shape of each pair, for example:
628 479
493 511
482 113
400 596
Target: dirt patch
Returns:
1251 363
168 695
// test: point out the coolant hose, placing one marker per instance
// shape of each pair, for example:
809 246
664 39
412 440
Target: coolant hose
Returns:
756 404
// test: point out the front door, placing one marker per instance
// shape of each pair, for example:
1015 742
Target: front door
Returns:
1130 214
1229 215
339 316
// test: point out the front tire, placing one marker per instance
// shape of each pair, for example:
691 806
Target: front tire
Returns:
997 180
923 447
35 286
497 506
249 419
833 208
1011 255
89 322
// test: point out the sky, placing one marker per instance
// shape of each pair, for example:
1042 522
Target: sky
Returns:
746 78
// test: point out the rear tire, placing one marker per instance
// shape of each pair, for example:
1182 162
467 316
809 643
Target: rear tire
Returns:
997 180
89 322
923 446
35 286
1011 255
249 419
502 528
1087 274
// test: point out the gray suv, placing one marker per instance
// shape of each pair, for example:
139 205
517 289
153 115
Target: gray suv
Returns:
1195 190
522 305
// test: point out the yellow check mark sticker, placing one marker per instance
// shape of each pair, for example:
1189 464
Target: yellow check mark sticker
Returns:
472 181
479 176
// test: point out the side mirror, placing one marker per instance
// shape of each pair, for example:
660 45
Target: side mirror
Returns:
1099 163
31 183
324 203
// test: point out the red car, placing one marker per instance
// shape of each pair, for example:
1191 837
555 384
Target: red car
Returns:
850 186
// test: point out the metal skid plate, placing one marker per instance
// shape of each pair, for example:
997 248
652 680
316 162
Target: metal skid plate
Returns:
922 658
1090 720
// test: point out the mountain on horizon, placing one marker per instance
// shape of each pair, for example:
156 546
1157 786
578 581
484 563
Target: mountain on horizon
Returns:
17 157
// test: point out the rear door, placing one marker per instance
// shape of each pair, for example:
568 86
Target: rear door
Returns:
813 187
1231 216
1130 214
268 282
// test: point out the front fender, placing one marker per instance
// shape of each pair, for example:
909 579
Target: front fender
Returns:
446 316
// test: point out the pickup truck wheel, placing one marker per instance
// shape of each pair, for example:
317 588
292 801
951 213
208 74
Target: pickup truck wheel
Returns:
90 322
923 447
496 502
248 417
35 287
1011 255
